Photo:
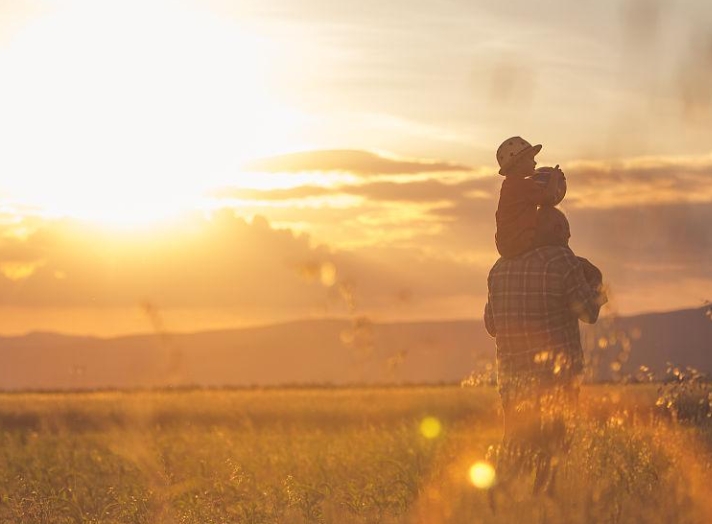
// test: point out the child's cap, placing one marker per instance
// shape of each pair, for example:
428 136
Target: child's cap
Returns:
511 149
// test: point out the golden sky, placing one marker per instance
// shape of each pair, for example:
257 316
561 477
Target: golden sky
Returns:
206 164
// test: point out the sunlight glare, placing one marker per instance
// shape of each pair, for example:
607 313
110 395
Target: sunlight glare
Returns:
482 475
131 111
19 270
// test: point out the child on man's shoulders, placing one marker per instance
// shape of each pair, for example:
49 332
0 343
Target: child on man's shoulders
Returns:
522 194
521 223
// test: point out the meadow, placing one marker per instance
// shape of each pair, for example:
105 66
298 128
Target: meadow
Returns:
641 453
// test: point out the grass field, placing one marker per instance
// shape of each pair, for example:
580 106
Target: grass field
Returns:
337 455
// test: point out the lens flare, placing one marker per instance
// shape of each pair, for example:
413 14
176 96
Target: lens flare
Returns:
430 427
482 475
328 274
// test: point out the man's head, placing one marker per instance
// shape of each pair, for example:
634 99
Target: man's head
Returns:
552 227
516 157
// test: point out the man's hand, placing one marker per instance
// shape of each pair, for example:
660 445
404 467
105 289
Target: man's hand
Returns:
594 278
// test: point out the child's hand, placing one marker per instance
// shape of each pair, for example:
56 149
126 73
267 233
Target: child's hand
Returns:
559 172
552 180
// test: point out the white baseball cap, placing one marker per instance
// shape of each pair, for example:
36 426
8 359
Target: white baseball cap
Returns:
512 149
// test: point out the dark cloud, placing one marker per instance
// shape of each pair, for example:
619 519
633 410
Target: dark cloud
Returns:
654 257
590 184
352 161
663 170
645 221
419 191
659 236
654 236
645 181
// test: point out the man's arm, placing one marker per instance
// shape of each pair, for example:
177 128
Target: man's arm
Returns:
583 299
489 320
593 275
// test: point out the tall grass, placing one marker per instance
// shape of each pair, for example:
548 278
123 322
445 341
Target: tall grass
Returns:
341 455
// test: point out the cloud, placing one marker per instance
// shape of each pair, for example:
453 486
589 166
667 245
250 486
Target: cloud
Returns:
358 162
653 241
639 181
414 191
457 213
223 261
654 256
659 240
420 247
220 262
603 185
645 219
384 212
290 193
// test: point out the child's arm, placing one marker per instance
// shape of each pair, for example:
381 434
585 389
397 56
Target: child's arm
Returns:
546 195
552 187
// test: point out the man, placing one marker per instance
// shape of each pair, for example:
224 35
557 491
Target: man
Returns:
535 302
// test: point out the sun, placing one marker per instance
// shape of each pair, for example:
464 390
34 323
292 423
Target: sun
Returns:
128 112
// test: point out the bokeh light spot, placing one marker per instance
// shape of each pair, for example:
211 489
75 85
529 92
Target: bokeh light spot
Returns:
328 274
482 475
430 427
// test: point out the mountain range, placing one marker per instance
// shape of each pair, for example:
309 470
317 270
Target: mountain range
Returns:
336 352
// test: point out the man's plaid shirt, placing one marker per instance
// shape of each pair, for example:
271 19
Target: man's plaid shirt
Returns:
534 304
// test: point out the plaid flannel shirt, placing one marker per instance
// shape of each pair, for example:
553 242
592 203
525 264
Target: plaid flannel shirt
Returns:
534 304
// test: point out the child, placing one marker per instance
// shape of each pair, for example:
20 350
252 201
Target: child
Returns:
520 196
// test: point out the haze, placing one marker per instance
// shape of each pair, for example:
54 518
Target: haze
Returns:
202 164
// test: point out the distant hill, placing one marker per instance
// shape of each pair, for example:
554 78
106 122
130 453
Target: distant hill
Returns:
330 352
682 338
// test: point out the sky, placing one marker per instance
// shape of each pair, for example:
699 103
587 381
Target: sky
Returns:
204 164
